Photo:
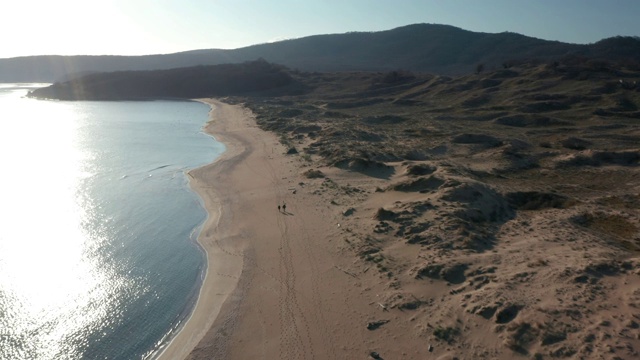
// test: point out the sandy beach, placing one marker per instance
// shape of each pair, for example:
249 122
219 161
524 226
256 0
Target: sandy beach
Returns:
223 253
410 260
276 286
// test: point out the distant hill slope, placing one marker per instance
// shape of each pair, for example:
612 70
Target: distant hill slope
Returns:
439 49
185 83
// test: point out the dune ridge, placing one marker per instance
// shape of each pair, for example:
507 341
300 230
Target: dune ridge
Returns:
491 216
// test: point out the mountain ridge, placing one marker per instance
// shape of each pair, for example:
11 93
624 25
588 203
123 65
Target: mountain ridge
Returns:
432 48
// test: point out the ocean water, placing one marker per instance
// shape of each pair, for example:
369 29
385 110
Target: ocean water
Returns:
98 226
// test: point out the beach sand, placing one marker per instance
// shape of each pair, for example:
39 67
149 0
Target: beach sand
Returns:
246 234
223 253
347 271
277 286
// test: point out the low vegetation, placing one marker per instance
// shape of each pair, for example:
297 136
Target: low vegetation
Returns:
259 77
506 198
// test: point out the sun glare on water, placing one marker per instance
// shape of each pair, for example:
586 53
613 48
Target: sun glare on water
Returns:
50 288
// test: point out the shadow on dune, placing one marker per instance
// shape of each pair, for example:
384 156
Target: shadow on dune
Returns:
366 167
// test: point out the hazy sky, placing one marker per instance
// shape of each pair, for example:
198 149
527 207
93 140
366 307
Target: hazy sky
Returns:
136 27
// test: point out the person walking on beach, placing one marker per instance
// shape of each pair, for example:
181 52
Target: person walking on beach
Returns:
284 207
279 208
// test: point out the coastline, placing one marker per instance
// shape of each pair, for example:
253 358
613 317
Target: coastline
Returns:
224 264
280 284
276 285
286 284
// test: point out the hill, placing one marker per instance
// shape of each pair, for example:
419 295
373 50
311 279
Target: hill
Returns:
439 49
185 83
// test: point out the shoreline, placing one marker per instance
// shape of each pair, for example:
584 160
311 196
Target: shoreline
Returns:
292 292
223 265
285 284
279 284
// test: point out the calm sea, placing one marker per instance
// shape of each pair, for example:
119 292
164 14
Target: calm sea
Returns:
98 258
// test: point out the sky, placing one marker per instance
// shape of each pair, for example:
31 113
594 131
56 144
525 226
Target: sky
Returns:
141 27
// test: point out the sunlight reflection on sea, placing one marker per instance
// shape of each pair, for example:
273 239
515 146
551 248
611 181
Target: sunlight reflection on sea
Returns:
87 259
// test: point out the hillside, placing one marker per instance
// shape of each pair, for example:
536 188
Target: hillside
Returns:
183 83
438 49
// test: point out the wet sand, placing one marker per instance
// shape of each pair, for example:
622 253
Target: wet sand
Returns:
224 261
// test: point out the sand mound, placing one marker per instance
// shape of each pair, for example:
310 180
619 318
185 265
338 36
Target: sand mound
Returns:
415 155
306 129
575 143
627 202
544 106
488 83
515 147
422 184
615 225
354 104
384 214
384 120
289 113
600 158
336 115
473 209
402 300
527 120
365 166
477 139
533 200
291 150
504 73
476 101
452 273
313 174
420 169
480 202
609 268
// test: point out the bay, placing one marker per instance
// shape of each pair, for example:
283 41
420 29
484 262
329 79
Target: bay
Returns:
98 226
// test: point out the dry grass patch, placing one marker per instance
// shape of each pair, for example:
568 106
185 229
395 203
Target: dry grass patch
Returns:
533 200
621 202
612 224
447 334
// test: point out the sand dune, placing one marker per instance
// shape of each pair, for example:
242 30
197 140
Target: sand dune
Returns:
457 232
